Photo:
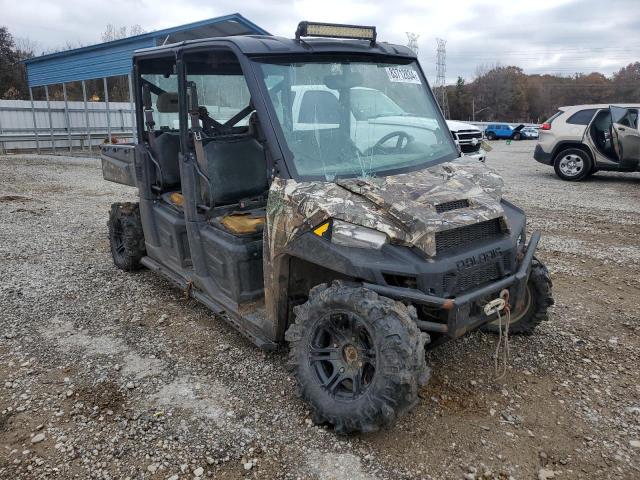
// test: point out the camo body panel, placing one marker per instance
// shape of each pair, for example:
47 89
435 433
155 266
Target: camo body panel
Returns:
402 206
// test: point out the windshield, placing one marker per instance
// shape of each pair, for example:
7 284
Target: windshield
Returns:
356 118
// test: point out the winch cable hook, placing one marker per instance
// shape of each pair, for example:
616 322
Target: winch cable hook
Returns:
497 306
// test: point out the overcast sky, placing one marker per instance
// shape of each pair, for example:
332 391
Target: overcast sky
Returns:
541 36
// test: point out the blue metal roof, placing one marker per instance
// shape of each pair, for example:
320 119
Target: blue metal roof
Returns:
114 58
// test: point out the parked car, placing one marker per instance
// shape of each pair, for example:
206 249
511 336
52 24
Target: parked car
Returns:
503 130
529 133
469 137
579 140
374 115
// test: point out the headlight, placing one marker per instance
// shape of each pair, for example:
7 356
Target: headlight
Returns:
349 235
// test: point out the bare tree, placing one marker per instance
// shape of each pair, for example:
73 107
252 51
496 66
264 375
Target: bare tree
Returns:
26 48
113 32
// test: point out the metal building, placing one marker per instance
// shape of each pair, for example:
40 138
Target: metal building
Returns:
102 61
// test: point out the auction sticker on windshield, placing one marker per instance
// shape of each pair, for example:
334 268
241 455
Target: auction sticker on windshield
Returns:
402 75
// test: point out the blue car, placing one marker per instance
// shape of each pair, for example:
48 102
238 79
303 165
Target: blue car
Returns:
503 130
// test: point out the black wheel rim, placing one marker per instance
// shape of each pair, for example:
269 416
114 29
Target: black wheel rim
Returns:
517 316
118 239
342 355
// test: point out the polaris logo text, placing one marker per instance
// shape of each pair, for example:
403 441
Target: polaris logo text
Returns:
479 259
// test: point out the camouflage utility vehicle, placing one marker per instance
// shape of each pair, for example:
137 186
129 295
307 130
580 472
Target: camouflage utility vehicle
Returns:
357 250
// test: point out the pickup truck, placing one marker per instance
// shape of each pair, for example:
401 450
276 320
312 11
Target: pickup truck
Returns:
316 104
469 138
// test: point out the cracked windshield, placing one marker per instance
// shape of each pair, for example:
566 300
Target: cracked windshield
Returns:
356 119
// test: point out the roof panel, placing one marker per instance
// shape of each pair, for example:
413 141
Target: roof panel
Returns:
114 58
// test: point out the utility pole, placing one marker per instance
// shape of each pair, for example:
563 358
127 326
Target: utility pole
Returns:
473 109
441 70
412 42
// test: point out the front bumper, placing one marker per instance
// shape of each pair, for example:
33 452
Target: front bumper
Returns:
480 155
461 316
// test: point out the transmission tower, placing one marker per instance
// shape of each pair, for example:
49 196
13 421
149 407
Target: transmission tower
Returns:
441 70
412 42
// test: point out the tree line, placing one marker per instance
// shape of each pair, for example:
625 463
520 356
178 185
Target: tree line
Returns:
507 94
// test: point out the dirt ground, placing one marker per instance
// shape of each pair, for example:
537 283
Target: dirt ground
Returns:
113 375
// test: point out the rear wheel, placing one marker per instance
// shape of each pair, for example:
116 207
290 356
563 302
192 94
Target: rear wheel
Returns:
358 358
126 236
572 164
538 299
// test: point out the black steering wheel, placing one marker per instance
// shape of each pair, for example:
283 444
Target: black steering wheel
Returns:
404 139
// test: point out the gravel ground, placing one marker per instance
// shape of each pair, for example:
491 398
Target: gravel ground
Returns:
113 375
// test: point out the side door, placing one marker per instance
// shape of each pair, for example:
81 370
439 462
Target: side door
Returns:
504 131
224 170
158 163
596 135
625 136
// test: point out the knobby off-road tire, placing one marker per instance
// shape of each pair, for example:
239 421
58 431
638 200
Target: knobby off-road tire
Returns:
358 358
126 236
537 302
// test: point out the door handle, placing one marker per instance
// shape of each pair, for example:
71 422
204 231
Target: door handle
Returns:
622 129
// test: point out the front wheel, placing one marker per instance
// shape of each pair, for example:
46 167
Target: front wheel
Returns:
538 299
491 136
358 358
517 136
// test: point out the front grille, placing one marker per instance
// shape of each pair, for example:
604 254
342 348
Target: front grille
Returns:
470 279
469 147
452 205
468 135
466 140
459 237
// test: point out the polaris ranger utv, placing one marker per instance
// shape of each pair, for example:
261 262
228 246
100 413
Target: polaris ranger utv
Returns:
356 248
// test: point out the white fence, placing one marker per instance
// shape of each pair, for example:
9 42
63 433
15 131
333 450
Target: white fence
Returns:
60 126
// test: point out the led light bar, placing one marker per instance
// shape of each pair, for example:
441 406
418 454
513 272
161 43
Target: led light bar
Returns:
335 30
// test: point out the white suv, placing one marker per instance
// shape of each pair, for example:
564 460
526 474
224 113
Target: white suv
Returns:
582 139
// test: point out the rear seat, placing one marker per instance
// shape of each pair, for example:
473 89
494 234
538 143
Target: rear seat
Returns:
166 150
